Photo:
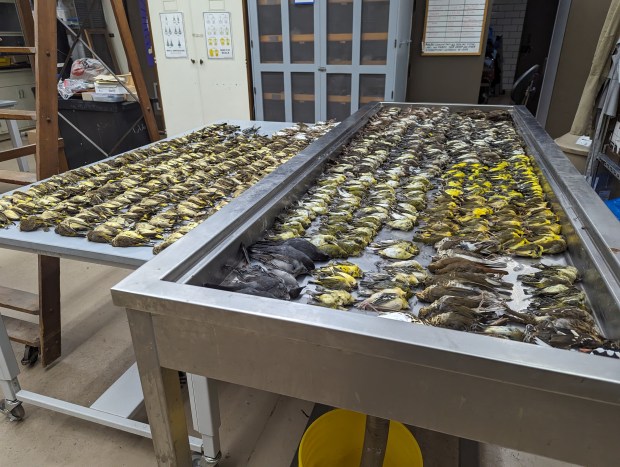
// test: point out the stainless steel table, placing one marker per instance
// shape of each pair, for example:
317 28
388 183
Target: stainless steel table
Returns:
117 404
16 139
547 401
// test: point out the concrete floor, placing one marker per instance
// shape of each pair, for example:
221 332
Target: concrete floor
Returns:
259 429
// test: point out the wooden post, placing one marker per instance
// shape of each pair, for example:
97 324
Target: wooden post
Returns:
27 23
134 68
47 165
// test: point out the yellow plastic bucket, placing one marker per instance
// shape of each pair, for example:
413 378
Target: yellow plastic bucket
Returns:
336 440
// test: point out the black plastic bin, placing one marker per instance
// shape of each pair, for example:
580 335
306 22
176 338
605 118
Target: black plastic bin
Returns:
103 122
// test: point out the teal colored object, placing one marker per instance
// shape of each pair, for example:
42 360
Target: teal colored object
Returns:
614 206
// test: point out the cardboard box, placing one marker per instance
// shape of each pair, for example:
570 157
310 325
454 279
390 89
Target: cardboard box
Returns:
31 136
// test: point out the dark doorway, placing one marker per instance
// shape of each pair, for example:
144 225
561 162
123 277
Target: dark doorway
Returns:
535 41
520 36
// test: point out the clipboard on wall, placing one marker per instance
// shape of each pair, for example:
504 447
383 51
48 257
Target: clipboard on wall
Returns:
454 27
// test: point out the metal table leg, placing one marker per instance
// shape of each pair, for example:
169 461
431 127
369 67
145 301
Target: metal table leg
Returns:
10 405
162 395
205 407
16 139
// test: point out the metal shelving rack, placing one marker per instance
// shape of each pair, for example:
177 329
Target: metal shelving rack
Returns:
601 169
324 60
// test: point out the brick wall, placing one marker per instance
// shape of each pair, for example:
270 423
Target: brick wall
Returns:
507 21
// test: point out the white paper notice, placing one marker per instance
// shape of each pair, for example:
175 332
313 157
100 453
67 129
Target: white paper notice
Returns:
219 35
173 29
454 27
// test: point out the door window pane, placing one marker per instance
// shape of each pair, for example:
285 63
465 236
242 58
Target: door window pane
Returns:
273 96
339 32
338 96
303 97
372 88
270 31
375 21
301 22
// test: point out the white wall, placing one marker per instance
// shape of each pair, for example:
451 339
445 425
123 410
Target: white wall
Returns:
117 45
194 93
507 20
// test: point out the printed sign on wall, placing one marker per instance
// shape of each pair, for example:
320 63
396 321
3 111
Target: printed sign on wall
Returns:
219 35
454 27
173 30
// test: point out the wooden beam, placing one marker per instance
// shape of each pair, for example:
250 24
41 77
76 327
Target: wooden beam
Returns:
48 164
47 96
49 306
16 114
20 331
10 154
14 153
19 300
15 177
134 68
17 50
27 23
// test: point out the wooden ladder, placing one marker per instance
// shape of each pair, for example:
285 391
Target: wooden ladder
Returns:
44 339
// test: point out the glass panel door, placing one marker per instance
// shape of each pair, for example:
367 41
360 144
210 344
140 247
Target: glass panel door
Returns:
273 96
372 89
301 26
339 32
375 25
338 96
304 97
270 30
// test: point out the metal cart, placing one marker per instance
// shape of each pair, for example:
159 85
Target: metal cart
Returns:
116 406
546 401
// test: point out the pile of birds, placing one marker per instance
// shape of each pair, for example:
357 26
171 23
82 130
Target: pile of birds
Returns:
155 195
463 186
491 192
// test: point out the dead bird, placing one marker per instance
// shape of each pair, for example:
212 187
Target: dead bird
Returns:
347 267
563 335
485 247
307 248
377 282
393 299
129 238
283 250
571 312
505 332
462 319
456 289
489 282
461 264
260 279
396 249
282 262
485 304
337 281
567 272
339 299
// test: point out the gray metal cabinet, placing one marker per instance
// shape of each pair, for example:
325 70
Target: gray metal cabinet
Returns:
318 60
16 85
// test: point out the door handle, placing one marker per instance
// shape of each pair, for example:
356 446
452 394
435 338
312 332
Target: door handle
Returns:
193 61
201 61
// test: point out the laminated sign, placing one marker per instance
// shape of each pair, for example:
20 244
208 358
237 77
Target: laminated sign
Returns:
219 35
173 30
454 27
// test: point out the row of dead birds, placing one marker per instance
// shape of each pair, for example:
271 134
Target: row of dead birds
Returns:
467 293
381 178
491 192
156 195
